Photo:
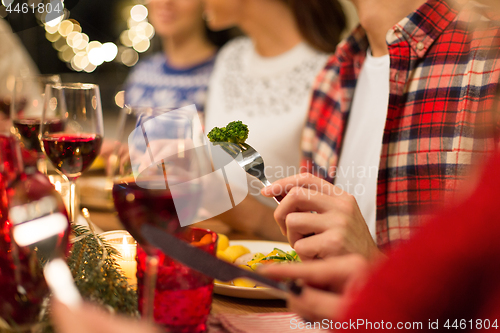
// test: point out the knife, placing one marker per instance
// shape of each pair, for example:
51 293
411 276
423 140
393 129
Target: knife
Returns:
207 264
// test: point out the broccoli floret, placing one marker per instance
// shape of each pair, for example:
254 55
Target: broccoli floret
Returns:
235 132
217 134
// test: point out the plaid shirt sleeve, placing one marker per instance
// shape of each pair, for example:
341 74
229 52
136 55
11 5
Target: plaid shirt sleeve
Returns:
330 105
444 75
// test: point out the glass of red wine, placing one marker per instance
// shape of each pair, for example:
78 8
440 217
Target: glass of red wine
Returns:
26 113
73 146
21 277
157 180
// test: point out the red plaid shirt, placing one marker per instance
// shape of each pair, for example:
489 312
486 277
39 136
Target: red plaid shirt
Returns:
444 77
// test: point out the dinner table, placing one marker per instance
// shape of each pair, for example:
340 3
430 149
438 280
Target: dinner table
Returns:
107 220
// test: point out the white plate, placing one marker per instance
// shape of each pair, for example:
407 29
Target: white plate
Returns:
254 293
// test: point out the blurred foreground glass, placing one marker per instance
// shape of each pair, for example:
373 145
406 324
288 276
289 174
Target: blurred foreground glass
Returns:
183 296
157 180
73 146
23 285
26 113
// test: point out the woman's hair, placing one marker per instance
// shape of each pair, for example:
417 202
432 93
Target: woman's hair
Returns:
219 38
320 22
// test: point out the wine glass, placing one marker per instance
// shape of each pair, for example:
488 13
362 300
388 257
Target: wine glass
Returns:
26 112
157 180
74 145
21 278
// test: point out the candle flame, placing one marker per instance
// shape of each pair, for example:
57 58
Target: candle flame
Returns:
126 248
58 186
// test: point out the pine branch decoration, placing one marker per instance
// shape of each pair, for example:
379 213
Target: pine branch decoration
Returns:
98 276
99 279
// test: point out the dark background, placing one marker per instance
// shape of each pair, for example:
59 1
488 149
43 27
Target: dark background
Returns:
101 20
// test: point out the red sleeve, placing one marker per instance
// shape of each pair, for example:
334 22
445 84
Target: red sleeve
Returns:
450 270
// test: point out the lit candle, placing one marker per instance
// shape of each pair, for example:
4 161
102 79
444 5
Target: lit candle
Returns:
127 247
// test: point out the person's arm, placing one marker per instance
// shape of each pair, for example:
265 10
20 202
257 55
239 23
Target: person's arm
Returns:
447 272
319 219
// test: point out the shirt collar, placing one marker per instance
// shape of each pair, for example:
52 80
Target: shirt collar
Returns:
356 44
425 25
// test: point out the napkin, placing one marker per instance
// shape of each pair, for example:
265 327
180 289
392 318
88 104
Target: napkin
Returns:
259 323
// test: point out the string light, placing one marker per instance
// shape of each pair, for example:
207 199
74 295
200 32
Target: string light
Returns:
75 48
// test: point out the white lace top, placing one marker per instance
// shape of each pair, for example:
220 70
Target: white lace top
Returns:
269 94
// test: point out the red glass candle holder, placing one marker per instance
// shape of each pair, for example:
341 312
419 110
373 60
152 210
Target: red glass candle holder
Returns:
183 296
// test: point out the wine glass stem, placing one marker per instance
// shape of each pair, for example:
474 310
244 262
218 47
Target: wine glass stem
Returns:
150 287
72 200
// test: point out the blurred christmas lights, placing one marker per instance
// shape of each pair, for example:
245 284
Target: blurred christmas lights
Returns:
75 48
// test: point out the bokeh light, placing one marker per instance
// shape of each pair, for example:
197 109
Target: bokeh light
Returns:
81 54
141 45
65 28
120 98
139 13
129 57
96 56
109 51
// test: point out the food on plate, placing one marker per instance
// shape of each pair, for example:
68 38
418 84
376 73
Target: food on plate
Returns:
240 255
222 242
276 256
232 253
235 132
242 282
251 263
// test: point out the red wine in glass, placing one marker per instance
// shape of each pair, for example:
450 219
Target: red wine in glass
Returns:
23 285
147 135
73 149
29 128
137 205
72 153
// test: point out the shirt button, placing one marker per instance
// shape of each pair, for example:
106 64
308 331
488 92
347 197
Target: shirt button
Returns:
420 46
396 76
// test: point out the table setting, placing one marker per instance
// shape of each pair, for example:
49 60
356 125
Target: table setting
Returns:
160 268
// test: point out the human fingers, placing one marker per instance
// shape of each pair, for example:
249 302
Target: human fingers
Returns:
320 246
301 224
306 180
316 305
331 274
302 200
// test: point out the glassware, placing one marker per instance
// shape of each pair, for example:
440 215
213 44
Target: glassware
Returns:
23 285
126 246
157 180
26 113
73 146
183 296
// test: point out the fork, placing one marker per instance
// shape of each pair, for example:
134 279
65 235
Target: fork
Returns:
251 161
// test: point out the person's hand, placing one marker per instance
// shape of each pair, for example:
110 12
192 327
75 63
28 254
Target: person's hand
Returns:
90 319
319 219
329 285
